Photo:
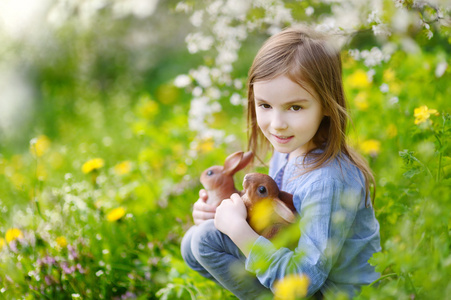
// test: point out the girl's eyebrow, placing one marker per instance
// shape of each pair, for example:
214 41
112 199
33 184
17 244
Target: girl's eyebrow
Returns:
289 102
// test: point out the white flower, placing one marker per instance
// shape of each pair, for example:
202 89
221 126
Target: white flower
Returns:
214 93
381 29
197 91
440 69
197 42
373 17
384 88
182 81
235 99
393 100
197 18
202 76
182 7
370 74
398 3
309 11
238 84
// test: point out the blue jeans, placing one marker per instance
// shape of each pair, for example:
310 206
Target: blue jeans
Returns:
213 255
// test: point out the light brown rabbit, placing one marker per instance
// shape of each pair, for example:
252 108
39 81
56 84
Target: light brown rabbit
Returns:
279 211
218 180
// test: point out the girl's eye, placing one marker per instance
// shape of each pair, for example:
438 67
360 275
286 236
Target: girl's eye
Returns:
266 106
296 108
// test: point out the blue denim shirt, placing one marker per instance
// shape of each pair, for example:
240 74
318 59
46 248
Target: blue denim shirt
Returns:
338 232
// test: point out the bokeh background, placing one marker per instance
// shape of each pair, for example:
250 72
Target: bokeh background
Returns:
110 110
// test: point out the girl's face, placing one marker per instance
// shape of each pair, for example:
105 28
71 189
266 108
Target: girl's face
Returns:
287 114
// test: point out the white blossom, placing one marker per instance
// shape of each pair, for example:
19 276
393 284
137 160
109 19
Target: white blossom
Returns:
235 99
440 69
384 88
393 100
381 29
198 42
399 3
182 81
182 7
370 74
374 17
197 18
309 11
238 84
197 91
202 76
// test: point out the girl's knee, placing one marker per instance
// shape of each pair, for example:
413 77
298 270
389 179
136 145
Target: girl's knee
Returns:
204 239
197 242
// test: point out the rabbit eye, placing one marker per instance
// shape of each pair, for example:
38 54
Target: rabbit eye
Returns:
261 189
209 172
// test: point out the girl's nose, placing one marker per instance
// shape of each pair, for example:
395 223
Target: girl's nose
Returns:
278 121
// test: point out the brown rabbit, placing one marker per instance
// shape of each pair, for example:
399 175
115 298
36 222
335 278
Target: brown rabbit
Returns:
260 187
218 180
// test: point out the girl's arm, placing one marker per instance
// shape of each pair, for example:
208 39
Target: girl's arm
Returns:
230 219
324 225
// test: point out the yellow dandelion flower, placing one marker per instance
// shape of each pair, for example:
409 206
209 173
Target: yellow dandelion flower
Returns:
93 164
423 113
39 145
395 88
19 181
261 214
392 130
2 243
361 101
147 108
371 147
115 214
181 169
167 94
13 234
358 79
206 145
61 241
291 287
123 168
389 75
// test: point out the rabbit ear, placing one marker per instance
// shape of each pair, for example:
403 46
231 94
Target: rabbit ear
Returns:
283 211
237 161
287 198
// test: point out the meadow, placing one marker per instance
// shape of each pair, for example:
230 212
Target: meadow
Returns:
111 112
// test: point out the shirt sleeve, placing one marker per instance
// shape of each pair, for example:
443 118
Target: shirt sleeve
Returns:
327 211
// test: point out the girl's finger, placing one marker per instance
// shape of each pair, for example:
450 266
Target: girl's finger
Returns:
202 215
203 194
235 198
201 205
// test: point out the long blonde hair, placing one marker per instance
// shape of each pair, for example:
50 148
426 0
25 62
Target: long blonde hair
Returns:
309 59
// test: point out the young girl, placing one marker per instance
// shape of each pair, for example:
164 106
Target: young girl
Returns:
296 103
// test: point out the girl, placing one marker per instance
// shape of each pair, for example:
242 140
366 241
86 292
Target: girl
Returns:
296 103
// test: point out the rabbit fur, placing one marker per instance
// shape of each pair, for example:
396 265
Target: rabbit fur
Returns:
258 187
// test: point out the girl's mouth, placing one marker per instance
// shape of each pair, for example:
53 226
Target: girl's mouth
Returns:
282 139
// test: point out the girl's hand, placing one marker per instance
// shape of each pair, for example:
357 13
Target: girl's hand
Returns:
230 219
201 210
230 215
